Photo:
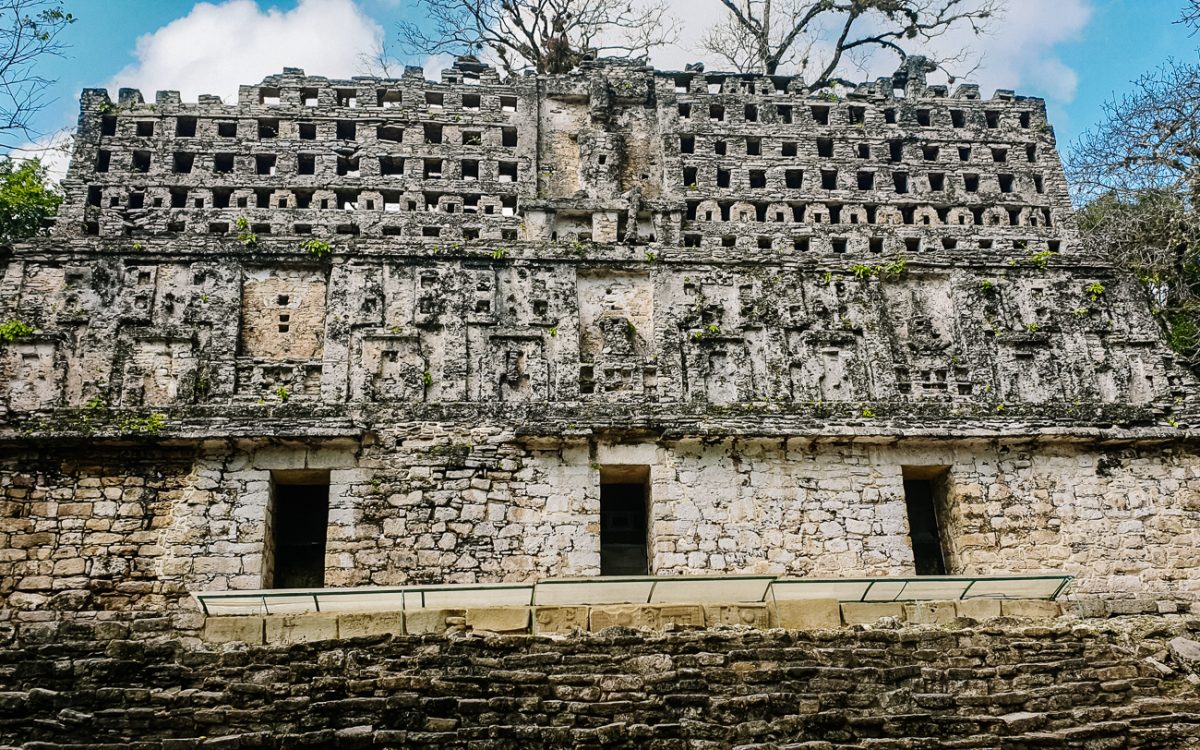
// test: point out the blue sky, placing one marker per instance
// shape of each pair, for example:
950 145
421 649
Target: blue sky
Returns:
1075 53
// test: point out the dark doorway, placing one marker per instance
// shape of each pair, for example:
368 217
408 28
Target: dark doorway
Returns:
300 517
924 494
624 496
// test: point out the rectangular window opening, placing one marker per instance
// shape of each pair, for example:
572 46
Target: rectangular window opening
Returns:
925 497
298 522
624 522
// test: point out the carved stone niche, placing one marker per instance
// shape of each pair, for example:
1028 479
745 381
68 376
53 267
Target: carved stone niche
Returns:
1027 370
1136 374
283 314
31 380
724 369
517 370
389 368
158 372
825 366
616 314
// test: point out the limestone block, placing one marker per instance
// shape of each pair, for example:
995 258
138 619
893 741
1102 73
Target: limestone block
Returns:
747 615
978 609
559 619
808 614
681 615
1033 609
1185 651
623 615
226 629
869 613
930 613
357 624
301 628
423 621
499 619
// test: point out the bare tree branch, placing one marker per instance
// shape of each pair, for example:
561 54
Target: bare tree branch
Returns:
766 35
1136 178
547 36
29 31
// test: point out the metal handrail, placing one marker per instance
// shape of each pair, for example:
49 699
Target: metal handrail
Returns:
269 598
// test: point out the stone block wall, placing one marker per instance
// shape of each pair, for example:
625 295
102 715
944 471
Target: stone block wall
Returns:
101 685
429 505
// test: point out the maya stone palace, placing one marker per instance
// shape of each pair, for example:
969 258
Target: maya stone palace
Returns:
373 333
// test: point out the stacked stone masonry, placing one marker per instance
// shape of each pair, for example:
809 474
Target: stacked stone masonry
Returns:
134 684
464 303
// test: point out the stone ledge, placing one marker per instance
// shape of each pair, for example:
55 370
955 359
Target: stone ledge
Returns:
800 614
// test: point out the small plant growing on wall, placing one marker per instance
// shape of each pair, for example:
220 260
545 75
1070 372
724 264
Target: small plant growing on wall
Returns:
1094 290
248 239
11 330
890 270
1041 258
282 393
427 378
712 329
317 247
151 424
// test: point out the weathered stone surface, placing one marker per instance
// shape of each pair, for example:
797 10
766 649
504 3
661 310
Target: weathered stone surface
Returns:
869 613
234 628
808 614
1034 609
977 609
1186 652
499 619
560 619
930 613
606 616
356 624
300 628
435 621
744 615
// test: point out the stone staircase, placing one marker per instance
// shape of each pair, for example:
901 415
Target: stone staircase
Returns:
1099 685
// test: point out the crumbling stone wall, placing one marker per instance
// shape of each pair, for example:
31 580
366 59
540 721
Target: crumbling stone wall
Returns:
1001 685
464 298
676 240
426 506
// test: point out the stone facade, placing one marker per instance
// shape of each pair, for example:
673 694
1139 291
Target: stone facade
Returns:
463 304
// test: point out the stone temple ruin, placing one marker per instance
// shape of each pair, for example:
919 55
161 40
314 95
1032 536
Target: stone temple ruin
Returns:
403 340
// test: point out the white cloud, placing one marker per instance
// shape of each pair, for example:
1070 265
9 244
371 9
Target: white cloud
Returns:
54 151
218 46
1019 54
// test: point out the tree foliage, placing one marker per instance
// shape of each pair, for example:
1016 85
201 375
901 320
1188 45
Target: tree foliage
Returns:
546 36
29 31
817 38
1136 176
26 202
